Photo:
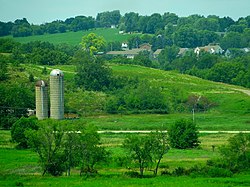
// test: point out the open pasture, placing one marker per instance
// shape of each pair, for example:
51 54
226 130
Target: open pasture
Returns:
74 38
20 167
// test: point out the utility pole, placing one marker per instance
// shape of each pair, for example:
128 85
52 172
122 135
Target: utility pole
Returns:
194 106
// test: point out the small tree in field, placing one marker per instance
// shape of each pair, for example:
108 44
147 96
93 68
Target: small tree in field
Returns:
236 154
147 151
47 142
183 134
90 151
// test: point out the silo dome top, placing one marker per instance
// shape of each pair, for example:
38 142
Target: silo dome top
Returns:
56 72
41 83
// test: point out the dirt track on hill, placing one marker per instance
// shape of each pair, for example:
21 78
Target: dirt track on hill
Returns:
244 91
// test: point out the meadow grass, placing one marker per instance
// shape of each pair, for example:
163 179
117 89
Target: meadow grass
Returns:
74 38
20 168
118 181
204 121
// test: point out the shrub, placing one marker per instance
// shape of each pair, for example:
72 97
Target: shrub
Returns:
18 130
179 171
236 155
219 172
132 174
183 134
166 172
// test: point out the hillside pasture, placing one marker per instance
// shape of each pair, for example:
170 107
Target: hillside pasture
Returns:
231 111
74 38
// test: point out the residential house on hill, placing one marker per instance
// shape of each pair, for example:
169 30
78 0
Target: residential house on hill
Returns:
127 53
130 53
183 51
156 53
212 49
145 46
246 50
124 46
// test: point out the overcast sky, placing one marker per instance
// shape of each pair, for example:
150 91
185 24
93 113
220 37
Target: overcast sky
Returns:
41 11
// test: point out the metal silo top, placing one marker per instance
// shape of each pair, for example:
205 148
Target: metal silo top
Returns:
41 83
56 72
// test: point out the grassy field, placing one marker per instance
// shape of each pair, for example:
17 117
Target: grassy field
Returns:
74 38
20 167
231 113
204 121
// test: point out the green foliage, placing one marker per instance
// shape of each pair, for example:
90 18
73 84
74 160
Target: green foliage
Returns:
15 99
130 21
89 150
31 78
7 45
183 134
47 142
3 68
132 174
87 102
143 59
138 98
44 71
20 127
146 151
186 37
93 43
107 19
61 146
167 56
179 171
225 71
236 155
92 73
219 172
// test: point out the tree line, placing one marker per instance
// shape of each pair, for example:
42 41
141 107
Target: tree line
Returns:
190 31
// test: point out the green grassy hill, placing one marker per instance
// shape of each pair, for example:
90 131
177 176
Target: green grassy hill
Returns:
74 38
232 110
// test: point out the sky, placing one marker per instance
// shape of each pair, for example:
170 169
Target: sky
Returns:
42 11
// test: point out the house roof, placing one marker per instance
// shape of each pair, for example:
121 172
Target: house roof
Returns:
210 48
157 52
182 51
146 46
127 52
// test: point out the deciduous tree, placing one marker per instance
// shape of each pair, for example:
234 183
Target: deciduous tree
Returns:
183 134
147 150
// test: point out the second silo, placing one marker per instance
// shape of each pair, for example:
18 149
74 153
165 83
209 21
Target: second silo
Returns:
56 94
41 100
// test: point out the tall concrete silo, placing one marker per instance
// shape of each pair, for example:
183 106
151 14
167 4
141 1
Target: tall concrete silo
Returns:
41 100
56 94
